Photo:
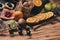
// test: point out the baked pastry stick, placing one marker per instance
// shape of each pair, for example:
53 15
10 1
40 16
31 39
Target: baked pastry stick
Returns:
25 7
19 6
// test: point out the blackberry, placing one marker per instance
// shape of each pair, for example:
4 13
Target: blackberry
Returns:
56 11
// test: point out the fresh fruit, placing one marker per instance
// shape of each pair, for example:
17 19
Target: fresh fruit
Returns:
21 21
37 2
48 7
31 20
35 10
49 15
39 17
18 15
7 14
13 24
54 6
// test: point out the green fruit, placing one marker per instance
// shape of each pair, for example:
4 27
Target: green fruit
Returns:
54 6
48 7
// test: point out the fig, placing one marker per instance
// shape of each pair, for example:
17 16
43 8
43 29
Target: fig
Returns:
7 14
21 21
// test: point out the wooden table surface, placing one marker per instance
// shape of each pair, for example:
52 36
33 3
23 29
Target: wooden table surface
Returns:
46 32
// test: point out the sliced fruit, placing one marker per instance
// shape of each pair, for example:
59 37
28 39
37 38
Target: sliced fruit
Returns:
37 2
49 15
37 19
31 20
41 16
7 14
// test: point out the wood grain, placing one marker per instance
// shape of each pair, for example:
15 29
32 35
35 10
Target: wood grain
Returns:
47 32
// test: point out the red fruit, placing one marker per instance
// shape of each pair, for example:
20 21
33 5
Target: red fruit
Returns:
7 14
